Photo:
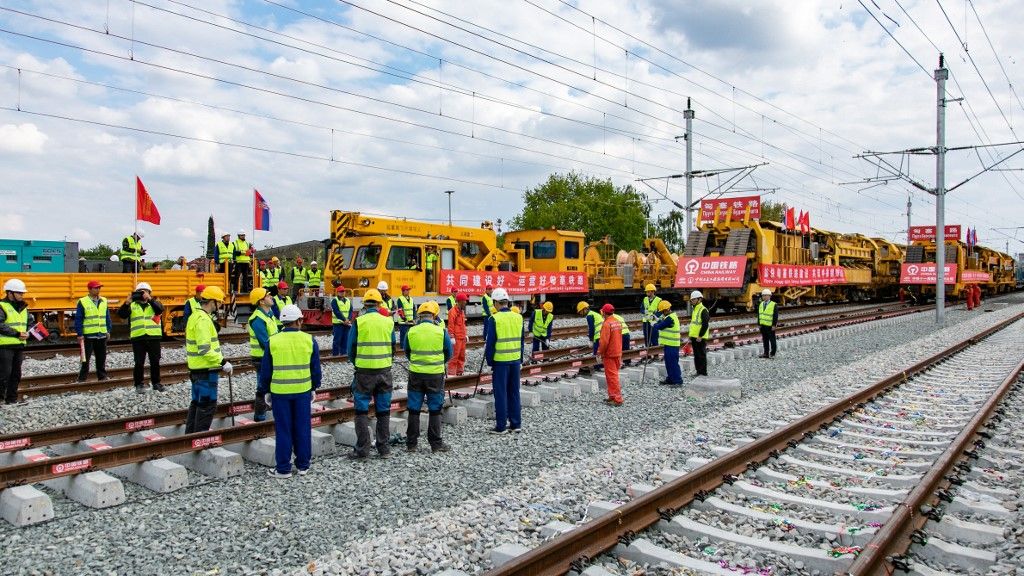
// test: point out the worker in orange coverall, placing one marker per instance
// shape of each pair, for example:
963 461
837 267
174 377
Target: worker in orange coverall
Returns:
457 330
610 351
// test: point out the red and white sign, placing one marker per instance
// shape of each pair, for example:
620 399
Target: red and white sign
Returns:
928 232
97 446
151 436
207 442
926 273
485 378
73 466
975 276
737 203
796 275
473 282
321 396
37 457
240 409
15 444
710 272
315 421
139 424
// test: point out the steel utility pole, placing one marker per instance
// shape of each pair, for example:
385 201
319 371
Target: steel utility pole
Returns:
449 193
941 74
908 218
688 115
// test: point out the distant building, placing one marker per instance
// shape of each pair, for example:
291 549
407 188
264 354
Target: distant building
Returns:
311 250
38 256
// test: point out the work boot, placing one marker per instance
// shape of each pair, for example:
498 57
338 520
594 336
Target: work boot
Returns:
362 447
158 387
412 430
383 434
140 389
204 415
434 431
83 372
190 420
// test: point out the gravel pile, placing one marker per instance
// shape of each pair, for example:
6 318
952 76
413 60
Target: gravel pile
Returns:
430 512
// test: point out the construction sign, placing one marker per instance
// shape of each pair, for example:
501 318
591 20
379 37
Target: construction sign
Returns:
710 272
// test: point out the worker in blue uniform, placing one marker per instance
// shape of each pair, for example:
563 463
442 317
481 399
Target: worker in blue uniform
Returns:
261 326
428 348
341 320
290 372
503 351
666 331
541 322
594 323
192 304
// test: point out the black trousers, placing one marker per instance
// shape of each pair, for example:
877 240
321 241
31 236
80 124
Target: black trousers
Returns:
768 340
243 271
142 347
99 347
10 372
129 266
700 356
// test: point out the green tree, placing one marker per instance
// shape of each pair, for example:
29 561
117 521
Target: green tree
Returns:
595 207
671 229
211 238
98 252
772 211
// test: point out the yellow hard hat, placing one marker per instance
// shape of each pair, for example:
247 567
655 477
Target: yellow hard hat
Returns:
212 293
256 295
429 307
275 259
664 305
650 288
581 307
548 306
516 310
372 296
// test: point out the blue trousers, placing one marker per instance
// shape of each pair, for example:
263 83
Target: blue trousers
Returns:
204 388
381 401
340 343
403 329
675 374
507 407
292 430
435 400
539 344
596 344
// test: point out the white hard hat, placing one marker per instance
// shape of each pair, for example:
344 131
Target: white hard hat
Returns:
15 285
696 294
241 232
224 233
141 234
143 286
313 263
382 285
766 292
290 313
114 258
499 294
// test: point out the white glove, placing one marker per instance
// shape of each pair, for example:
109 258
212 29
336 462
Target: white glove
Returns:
467 338
227 368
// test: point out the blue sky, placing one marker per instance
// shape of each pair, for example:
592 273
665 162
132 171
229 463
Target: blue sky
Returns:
803 86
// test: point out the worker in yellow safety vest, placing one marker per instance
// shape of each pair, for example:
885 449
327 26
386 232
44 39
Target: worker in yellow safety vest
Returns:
242 253
594 323
370 350
132 252
428 348
205 361
13 334
699 322
261 326
649 308
767 319
667 329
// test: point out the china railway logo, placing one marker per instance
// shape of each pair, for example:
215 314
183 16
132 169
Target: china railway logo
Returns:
691 266
73 466
912 270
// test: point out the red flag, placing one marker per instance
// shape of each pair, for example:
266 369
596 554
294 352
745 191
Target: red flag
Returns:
790 219
145 210
805 222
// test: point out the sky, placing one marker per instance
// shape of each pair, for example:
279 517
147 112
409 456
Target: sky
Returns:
379 106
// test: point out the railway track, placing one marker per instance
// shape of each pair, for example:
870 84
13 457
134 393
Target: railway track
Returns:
901 464
63 383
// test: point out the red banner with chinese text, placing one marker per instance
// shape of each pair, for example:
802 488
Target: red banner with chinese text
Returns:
737 203
776 275
925 273
710 272
928 232
473 282
975 276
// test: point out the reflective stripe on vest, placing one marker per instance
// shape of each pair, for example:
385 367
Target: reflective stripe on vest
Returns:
695 320
281 303
508 330
202 347
225 252
426 343
541 323
142 323
17 321
134 250
373 341
598 324
298 275
670 336
271 277
345 306
94 320
313 277
291 353
766 314
243 252
650 306
255 350
407 305
625 327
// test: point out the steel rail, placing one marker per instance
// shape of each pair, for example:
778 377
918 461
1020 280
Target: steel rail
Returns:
572 549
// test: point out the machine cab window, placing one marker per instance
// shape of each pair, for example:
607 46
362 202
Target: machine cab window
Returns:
545 249
367 257
345 253
404 258
572 249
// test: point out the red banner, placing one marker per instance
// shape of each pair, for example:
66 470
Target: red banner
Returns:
710 272
737 203
925 273
473 282
928 232
975 276
795 275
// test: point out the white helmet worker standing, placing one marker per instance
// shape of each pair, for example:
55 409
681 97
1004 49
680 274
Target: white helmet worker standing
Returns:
503 334
695 295
700 319
382 285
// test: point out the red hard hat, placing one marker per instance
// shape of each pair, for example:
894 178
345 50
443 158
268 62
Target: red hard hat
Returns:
94 284
405 287
263 262
340 287
282 285
607 309
461 297
200 288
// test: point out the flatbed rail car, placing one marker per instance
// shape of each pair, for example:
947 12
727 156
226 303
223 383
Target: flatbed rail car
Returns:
997 265
53 297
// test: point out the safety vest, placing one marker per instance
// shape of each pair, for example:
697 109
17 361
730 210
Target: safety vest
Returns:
622 321
134 251
255 350
345 306
298 275
291 353
94 320
431 259
695 320
17 321
450 302
766 313
387 303
670 336
142 323
313 277
540 324
598 323
508 329
650 306
406 305
270 276
202 347
225 252
488 303
426 343
243 251
193 305
373 341
281 303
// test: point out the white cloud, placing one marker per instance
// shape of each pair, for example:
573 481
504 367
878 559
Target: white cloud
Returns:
24 138
12 223
182 160
185 232
81 236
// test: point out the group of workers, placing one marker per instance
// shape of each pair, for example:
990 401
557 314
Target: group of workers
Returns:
972 292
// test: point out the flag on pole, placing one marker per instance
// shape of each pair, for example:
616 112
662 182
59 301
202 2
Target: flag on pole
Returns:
790 219
261 212
145 210
805 222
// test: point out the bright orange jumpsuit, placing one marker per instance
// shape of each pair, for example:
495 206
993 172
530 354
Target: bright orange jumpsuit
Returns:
610 351
457 330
